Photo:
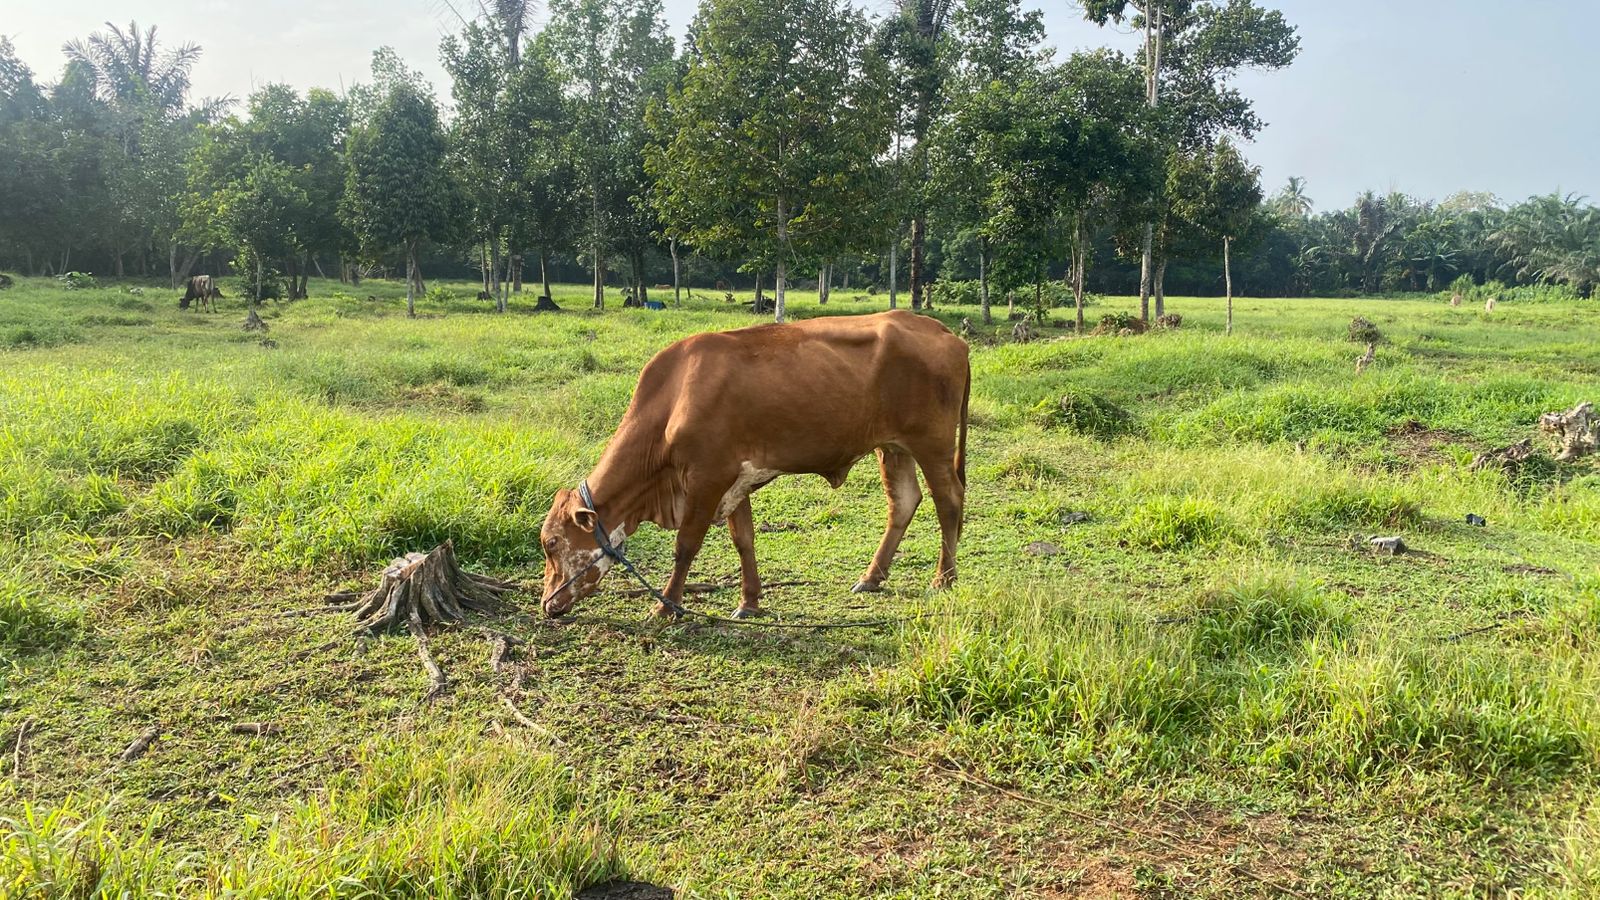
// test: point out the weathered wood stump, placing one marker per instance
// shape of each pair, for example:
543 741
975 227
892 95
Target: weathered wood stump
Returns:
253 322
1022 332
1366 358
1578 430
1508 459
421 589
545 304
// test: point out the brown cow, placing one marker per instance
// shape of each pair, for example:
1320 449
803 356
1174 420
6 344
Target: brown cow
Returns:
202 288
716 416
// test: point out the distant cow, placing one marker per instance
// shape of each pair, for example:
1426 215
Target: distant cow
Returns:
202 288
717 415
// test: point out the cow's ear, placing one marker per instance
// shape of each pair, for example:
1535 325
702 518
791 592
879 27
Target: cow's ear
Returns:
585 519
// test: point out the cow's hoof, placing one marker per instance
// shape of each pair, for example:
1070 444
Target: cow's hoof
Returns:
866 587
663 611
749 612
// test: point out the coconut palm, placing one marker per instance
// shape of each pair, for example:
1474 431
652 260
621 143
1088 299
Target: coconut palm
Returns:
1553 238
1292 199
132 69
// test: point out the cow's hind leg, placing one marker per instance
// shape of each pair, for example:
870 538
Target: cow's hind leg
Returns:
742 528
900 484
949 498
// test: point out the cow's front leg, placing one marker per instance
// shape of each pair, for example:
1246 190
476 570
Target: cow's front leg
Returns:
691 534
742 528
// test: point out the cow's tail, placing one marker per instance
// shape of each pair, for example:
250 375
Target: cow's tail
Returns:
961 443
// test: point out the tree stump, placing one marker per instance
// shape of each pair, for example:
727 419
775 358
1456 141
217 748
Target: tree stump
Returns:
421 589
545 304
1022 332
1578 430
253 322
1363 331
1366 358
1508 459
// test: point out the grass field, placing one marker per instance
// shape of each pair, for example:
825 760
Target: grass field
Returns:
1212 689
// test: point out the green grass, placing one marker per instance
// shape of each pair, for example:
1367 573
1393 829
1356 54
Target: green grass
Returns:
1212 672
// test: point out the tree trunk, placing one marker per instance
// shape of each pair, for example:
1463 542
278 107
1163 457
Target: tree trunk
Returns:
1161 287
516 273
260 274
544 269
677 291
1227 276
781 277
494 276
919 227
172 263
640 292
894 256
1145 265
1079 256
483 264
599 250
983 280
411 279
305 277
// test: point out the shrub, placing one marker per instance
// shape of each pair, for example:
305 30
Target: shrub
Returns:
75 281
1363 331
1086 413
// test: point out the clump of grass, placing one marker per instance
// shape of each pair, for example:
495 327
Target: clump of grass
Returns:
1355 504
1174 523
1086 413
28 621
450 820
1271 611
1363 331
1267 677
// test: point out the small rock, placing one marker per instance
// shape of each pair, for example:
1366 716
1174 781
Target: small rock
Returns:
1075 517
1041 548
1387 546
1475 519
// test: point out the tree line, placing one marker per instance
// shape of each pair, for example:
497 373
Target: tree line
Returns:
939 151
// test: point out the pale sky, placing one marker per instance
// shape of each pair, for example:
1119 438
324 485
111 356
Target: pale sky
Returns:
1424 96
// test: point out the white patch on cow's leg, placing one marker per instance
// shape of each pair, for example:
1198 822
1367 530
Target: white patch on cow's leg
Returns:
749 479
899 472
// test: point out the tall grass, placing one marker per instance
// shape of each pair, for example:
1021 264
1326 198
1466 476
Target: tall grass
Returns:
455 819
1266 673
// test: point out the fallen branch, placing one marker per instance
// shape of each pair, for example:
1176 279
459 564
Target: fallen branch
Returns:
260 729
140 744
498 650
1167 842
16 752
317 610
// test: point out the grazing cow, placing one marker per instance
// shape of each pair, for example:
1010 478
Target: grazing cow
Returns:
716 416
201 288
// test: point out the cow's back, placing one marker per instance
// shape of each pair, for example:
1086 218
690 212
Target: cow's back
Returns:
809 396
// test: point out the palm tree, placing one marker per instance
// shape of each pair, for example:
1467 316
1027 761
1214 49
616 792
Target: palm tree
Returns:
130 69
1292 199
1553 238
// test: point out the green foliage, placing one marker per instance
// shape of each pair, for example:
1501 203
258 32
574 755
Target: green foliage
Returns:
458 819
29 621
768 148
1086 413
77 281
1272 612
1176 523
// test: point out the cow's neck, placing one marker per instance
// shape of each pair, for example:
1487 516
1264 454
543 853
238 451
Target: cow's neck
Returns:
630 485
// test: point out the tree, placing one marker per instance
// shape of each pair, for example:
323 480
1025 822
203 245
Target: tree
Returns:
1216 194
1553 238
398 191
1191 51
609 53
1291 199
769 147
998 44
914 40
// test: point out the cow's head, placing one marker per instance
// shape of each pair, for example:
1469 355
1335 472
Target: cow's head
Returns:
573 561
